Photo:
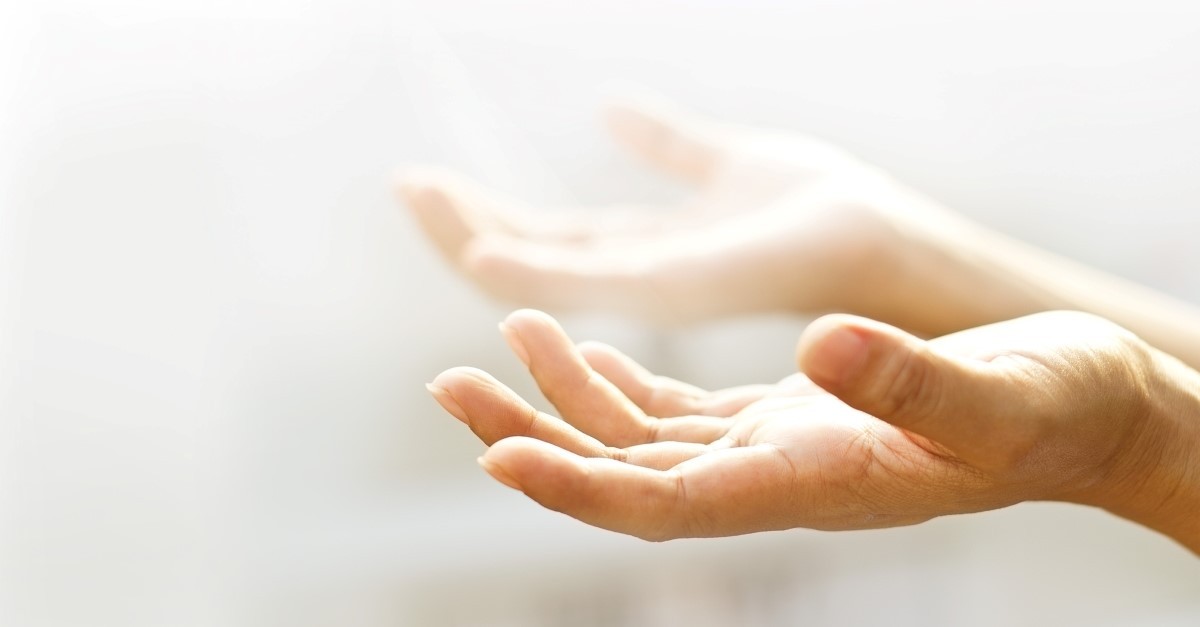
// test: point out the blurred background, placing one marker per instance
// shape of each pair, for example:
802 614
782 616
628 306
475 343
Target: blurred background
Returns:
217 322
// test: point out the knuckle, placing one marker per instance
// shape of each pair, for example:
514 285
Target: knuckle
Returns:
531 422
616 454
654 431
671 524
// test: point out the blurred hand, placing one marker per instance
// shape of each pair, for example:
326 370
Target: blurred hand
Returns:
778 222
881 429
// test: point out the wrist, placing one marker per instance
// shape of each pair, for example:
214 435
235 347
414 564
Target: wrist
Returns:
1154 480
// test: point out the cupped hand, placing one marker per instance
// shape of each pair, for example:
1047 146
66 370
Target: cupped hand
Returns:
777 222
879 429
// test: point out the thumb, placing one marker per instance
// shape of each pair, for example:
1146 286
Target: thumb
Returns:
902 379
678 143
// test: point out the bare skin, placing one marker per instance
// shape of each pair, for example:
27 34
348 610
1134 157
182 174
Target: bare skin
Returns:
778 222
880 429
1004 406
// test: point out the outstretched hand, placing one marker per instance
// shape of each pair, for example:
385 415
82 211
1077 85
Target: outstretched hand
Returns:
778 222
878 429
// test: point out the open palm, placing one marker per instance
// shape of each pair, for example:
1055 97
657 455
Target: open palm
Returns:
659 459
777 221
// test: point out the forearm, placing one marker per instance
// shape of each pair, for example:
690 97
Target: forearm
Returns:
973 276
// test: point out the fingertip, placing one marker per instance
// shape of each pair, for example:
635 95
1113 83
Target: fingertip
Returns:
530 320
639 126
444 204
461 388
665 135
613 365
400 179
638 110
617 93
404 177
821 327
525 312
415 182
595 349
498 473
622 117
458 376
532 466
424 175
503 451
527 459
447 402
833 349
515 343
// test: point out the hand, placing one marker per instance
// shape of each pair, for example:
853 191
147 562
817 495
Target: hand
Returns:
778 223
882 429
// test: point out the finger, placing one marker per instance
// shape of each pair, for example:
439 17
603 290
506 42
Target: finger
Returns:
583 398
663 396
562 277
902 379
679 143
726 492
452 209
494 412
662 455
690 428
579 226
671 280
689 275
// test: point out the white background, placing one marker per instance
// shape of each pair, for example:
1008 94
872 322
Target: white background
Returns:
217 323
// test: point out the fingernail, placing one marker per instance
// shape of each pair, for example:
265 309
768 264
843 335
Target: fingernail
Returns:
498 474
838 357
515 343
446 400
